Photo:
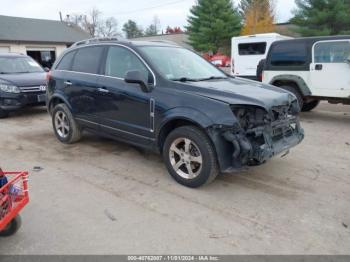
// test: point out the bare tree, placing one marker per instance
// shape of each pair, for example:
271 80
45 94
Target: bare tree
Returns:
154 27
94 24
92 21
108 28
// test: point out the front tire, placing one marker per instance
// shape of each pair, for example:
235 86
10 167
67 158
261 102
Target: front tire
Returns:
307 107
66 128
190 157
12 227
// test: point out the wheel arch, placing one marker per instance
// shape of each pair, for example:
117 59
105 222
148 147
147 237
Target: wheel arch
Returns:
293 80
55 100
171 124
220 145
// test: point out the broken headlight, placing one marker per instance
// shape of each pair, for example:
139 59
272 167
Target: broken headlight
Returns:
250 117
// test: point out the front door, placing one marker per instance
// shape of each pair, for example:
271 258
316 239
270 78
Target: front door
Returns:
124 109
330 70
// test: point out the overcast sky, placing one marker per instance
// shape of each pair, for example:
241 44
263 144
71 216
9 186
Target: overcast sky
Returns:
170 12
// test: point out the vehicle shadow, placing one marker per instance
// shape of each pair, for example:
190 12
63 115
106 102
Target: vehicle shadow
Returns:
28 112
325 116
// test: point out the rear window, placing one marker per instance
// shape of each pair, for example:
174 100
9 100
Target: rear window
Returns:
66 62
87 60
288 54
252 48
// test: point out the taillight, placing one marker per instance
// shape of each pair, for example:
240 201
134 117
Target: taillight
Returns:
48 76
233 66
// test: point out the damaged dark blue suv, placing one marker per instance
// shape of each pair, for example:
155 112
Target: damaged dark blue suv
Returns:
168 99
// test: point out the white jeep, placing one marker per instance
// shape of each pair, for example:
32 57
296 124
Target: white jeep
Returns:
314 69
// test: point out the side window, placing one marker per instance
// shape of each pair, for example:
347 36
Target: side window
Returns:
289 54
121 60
66 61
87 60
332 52
252 48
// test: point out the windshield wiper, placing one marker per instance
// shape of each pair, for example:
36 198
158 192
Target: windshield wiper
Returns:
212 78
184 79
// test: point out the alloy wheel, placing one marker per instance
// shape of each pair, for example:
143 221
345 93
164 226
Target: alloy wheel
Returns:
186 158
62 124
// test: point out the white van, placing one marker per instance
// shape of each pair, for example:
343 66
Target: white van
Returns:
248 51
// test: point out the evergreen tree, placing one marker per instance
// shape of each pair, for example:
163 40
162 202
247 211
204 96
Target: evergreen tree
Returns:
258 16
132 30
212 24
322 17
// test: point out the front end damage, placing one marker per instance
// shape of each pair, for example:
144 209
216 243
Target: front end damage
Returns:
260 135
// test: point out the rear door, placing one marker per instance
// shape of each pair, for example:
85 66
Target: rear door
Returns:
81 84
249 55
330 71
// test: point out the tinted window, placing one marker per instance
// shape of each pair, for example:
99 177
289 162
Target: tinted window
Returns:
66 61
121 60
87 60
289 54
332 52
252 49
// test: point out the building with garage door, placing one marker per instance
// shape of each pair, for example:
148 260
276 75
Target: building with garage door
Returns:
41 39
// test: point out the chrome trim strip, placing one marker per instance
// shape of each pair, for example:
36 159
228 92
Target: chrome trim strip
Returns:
152 113
119 130
29 89
108 44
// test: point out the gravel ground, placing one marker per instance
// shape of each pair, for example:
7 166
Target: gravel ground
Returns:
105 197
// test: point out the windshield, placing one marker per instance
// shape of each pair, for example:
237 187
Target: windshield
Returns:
180 64
15 65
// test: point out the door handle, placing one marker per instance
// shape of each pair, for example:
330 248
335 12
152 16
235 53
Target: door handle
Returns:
102 90
68 83
318 67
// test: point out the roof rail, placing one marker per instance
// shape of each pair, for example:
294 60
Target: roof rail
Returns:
164 41
95 40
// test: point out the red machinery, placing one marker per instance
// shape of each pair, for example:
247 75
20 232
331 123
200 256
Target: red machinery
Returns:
13 197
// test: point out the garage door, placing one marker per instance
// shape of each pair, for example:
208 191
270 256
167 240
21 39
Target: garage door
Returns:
4 49
45 56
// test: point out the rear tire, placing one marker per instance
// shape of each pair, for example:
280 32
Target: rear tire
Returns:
3 114
307 107
295 92
66 128
190 157
12 227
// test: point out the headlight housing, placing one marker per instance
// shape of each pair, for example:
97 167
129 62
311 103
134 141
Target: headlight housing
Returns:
9 88
250 117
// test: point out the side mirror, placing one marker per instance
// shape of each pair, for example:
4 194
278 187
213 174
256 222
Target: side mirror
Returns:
46 69
136 77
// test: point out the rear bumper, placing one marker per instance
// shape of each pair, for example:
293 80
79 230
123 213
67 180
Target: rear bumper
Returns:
12 102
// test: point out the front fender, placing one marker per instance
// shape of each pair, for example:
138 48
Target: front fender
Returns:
185 113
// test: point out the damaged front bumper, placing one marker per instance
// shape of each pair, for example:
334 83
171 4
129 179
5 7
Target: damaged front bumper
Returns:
257 145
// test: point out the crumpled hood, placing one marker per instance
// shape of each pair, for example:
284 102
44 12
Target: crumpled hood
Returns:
241 92
26 79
